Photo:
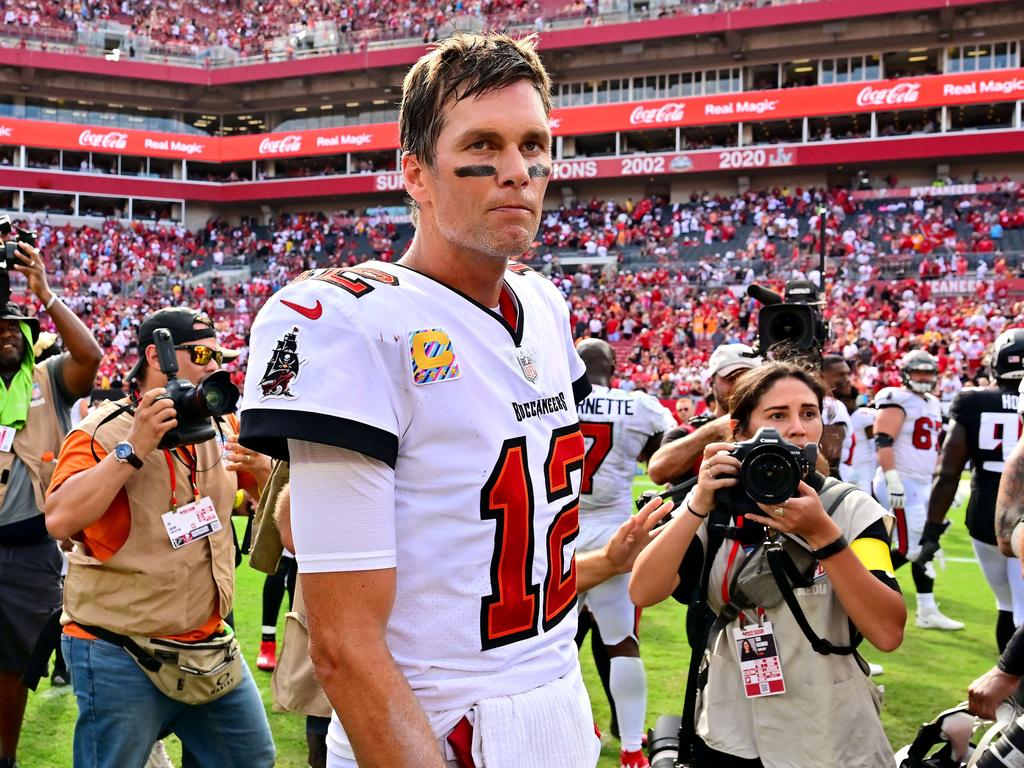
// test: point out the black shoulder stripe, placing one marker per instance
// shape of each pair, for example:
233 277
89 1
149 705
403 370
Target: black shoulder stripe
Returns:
267 430
581 388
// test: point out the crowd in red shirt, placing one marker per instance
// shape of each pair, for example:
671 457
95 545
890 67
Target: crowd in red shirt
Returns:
664 317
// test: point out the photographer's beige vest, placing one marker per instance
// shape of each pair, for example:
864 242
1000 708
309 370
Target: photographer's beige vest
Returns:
829 714
147 587
38 442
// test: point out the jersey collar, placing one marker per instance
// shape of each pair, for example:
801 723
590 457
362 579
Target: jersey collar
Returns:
510 308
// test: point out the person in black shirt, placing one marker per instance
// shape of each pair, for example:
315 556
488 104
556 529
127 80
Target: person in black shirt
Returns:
984 428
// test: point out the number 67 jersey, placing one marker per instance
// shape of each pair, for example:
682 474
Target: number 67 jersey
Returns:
475 410
916 447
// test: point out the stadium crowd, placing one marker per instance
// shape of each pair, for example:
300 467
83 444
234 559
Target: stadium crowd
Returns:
684 295
250 28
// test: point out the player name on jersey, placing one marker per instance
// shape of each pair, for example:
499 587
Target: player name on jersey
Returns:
605 406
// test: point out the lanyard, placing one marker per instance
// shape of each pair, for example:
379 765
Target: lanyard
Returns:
728 566
725 579
191 463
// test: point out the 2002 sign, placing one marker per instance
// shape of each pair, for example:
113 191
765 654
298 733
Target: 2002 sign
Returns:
637 166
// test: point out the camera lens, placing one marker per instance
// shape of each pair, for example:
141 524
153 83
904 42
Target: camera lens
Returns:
219 396
769 475
786 326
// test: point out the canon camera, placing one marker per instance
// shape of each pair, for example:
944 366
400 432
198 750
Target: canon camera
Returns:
770 472
214 396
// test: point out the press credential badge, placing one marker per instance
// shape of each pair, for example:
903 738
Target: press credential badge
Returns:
191 522
759 660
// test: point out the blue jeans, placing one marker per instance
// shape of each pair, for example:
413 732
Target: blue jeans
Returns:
121 714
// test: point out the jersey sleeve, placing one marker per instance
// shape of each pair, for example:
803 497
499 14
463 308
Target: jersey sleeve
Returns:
581 386
839 415
342 510
890 397
659 418
315 375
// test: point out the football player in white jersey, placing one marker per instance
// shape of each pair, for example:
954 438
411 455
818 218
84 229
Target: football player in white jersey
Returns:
907 432
620 428
859 459
428 409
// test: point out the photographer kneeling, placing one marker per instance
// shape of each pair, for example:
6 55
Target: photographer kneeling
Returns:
779 702
142 488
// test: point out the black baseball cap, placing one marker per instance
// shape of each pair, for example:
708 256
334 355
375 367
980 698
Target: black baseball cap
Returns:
12 311
180 321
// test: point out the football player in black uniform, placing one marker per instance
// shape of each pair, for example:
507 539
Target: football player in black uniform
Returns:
984 428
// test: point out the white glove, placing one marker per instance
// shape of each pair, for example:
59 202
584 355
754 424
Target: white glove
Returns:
895 488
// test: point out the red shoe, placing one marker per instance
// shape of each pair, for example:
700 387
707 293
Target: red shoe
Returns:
635 759
267 659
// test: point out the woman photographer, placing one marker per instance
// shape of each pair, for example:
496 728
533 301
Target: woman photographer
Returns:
826 712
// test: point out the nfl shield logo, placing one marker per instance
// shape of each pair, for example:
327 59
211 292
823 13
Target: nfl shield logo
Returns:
527 364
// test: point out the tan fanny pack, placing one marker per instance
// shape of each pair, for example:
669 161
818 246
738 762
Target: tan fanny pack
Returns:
192 673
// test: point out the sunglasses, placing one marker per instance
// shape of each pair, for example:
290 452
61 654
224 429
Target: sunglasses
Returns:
200 354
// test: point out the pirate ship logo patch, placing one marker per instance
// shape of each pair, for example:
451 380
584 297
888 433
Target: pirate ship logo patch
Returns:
282 368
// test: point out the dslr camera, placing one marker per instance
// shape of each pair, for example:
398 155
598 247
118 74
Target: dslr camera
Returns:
215 396
8 259
792 326
770 471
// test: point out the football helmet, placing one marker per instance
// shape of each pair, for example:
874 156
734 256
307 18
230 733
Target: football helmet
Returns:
1008 355
919 361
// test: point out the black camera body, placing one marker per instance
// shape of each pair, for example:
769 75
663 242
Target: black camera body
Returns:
793 326
8 259
770 472
194 405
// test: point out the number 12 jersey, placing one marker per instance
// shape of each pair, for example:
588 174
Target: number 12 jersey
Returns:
475 410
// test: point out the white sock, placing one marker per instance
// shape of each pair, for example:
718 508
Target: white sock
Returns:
926 602
628 683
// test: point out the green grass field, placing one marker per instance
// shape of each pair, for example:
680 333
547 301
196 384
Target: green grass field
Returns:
930 672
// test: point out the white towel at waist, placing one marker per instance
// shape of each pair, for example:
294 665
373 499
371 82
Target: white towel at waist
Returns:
548 727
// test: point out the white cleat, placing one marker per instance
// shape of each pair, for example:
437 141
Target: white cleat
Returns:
933 619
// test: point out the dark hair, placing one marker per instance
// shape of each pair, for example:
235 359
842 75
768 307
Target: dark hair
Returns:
828 361
461 67
752 386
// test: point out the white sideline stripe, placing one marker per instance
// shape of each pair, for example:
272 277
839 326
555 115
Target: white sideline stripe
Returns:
961 560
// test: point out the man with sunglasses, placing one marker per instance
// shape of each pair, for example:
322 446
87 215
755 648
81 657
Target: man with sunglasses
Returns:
153 557
35 402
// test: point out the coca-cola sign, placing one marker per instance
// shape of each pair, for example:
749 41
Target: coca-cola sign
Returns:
107 140
284 146
666 113
901 93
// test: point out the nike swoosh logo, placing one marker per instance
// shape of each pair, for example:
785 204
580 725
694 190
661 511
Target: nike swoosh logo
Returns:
313 313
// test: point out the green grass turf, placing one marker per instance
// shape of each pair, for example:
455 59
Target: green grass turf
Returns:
930 672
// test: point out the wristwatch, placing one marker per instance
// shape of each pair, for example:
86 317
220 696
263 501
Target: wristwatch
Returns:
124 452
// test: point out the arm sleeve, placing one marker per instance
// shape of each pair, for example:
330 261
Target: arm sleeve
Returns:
872 548
319 380
342 508
1012 659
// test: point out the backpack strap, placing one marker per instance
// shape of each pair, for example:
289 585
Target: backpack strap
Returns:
832 495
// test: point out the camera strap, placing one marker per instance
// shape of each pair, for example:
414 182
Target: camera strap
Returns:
120 409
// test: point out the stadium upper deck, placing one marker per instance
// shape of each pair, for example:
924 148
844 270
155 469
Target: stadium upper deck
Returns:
797 93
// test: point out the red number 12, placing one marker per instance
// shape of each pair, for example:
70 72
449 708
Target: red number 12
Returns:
510 613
